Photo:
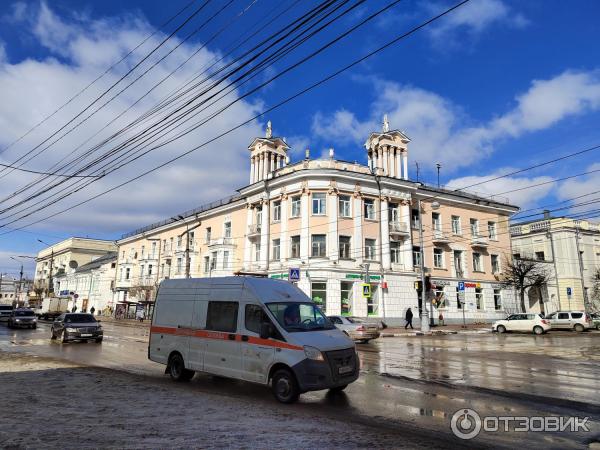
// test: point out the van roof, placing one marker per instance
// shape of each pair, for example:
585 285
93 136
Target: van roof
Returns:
265 290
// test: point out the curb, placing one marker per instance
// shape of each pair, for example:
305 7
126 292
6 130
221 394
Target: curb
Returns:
434 333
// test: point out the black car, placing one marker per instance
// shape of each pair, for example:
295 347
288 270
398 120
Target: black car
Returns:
22 318
5 311
77 327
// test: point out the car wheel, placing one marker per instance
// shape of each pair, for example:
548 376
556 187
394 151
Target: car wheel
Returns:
285 387
501 329
338 388
538 330
99 340
64 337
579 328
598 326
177 369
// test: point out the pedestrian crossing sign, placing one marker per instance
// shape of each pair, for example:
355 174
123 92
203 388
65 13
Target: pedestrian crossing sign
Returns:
366 289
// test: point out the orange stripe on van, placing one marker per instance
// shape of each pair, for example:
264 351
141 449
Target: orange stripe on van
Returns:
220 335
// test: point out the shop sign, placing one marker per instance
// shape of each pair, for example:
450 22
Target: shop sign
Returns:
472 285
441 282
279 276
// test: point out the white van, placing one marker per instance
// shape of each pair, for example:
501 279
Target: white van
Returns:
253 329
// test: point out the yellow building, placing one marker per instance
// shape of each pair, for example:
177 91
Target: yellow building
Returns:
322 216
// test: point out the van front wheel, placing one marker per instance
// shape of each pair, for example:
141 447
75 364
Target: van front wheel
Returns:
284 385
177 369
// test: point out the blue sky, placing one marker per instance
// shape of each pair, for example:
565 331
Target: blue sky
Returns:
496 85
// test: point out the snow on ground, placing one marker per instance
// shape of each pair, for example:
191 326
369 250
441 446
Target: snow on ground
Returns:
49 403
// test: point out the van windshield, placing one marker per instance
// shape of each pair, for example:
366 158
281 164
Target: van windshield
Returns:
300 316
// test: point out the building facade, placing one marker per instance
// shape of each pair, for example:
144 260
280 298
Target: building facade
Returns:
337 221
90 285
570 251
66 256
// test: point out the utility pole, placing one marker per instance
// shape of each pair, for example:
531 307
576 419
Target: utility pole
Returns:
378 181
583 293
417 164
186 233
549 236
424 312
50 281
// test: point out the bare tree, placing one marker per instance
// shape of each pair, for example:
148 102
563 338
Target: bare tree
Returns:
144 291
595 294
526 274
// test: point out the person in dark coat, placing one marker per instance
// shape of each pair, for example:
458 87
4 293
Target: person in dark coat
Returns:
408 317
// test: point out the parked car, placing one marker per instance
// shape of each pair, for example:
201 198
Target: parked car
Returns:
77 327
534 323
22 318
596 320
570 320
5 311
357 329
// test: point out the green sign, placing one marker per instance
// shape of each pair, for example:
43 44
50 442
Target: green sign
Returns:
278 276
353 276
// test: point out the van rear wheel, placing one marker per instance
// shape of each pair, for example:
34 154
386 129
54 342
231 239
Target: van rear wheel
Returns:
285 387
538 330
177 369
579 328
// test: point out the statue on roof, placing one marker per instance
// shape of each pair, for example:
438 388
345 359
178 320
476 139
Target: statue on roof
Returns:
269 132
386 123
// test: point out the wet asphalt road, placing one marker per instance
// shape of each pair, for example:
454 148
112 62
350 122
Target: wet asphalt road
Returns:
409 384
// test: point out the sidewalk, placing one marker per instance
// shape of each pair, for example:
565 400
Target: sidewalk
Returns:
125 322
446 329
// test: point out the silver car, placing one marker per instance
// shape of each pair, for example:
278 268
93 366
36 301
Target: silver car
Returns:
356 328
570 320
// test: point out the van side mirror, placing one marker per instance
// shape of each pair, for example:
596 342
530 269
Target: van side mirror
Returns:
266 331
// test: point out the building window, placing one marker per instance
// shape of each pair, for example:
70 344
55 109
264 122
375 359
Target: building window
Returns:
208 234
438 258
164 246
213 261
127 273
179 265
344 247
369 209
318 293
227 230
319 204
295 250
395 252
179 241
143 251
225 260
153 250
206 264
276 249
149 269
458 263
539 256
344 206
346 294
257 252
497 299
170 243
414 218
370 249
474 227
477 262
440 298
277 211
296 202
394 213
495 264
436 221
492 231
416 256
319 245
479 298
456 228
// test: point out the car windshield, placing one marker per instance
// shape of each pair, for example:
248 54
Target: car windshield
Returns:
300 316
23 313
79 318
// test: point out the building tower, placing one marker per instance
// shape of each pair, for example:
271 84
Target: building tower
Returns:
266 155
388 152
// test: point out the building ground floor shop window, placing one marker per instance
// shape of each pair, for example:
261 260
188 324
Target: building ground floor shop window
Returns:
346 297
318 293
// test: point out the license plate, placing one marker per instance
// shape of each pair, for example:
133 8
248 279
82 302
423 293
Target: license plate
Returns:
345 369
85 335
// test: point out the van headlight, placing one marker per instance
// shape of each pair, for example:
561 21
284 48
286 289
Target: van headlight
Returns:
71 330
313 353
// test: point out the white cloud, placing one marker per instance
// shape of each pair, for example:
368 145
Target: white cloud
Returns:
442 132
525 198
473 18
577 187
31 89
3 58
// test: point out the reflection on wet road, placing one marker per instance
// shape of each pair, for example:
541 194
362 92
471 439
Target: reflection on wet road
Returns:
412 381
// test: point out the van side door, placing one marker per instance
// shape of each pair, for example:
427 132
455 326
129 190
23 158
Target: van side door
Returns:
197 341
257 354
222 354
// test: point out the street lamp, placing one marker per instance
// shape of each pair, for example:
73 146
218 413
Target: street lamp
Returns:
50 281
187 242
426 321
438 166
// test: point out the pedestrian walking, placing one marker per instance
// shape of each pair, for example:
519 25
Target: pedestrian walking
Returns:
74 308
408 317
139 315
92 310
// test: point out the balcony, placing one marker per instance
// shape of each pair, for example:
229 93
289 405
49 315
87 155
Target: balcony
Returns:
253 231
440 237
223 241
399 229
479 241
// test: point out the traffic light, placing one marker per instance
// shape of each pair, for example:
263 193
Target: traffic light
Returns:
418 286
